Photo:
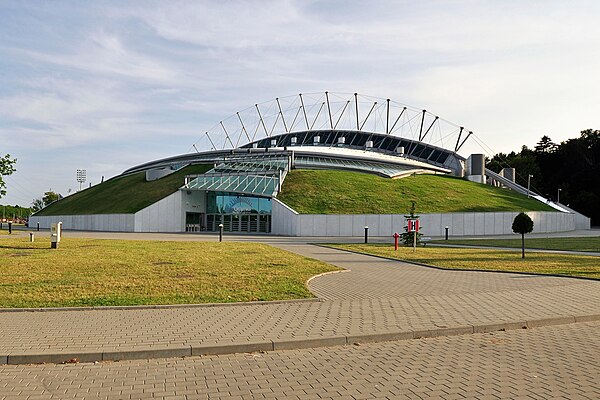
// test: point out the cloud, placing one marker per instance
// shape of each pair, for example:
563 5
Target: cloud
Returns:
113 84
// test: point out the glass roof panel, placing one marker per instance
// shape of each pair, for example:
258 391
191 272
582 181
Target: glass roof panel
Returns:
390 170
248 184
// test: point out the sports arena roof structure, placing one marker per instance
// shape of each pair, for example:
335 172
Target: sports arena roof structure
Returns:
333 130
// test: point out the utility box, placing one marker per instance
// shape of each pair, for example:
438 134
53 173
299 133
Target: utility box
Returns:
55 235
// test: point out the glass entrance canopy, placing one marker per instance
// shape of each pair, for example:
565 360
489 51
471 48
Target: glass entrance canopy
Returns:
246 184
251 175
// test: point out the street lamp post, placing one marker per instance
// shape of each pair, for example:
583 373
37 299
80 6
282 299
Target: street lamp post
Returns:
558 196
529 183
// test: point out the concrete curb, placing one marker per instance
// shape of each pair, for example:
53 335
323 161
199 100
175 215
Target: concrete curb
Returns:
286 344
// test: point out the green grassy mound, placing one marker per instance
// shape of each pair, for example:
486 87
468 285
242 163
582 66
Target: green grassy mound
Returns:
345 192
122 194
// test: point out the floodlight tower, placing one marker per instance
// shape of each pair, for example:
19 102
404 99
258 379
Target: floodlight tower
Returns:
81 177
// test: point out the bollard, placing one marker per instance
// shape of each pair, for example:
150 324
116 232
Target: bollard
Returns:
446 233
10 228
366 234
31 237
396 236
38 226
220 232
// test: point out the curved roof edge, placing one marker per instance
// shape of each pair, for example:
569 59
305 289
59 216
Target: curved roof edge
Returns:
339 144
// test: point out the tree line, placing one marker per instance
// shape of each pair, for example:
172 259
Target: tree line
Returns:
573 166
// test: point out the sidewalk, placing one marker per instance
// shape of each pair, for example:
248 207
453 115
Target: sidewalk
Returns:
375 300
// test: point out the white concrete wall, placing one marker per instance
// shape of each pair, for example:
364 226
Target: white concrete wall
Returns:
98 222
168 215
287 222
165 215
582 222
286 216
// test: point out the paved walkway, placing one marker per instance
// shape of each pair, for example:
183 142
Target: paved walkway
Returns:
550 362
376 300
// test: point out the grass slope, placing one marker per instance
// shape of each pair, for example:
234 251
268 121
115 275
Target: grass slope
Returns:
345 192
563 243
122 195
91 272
487 260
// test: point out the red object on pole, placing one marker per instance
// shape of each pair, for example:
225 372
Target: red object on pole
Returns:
396 236
413 225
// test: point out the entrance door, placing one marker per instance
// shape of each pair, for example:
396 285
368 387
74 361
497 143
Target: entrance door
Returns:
193 222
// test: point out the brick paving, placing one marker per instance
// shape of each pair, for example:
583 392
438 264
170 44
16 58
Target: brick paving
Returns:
560 362
375 297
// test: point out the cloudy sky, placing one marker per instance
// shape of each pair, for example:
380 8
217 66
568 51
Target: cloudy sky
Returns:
106 85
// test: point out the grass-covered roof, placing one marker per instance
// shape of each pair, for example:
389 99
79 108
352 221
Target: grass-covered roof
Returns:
122 194
344 192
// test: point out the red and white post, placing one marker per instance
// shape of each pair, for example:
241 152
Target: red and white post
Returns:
413 226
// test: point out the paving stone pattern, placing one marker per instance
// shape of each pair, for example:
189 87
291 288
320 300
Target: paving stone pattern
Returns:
376 297
560 362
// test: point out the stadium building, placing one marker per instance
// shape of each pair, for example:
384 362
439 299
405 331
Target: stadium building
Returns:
237 181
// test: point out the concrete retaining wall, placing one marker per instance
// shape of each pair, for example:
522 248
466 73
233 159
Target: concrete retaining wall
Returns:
98 222
163 216
283 219
167 215
288 222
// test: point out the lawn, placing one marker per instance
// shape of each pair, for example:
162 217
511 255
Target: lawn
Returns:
488 260
566 243
346 192
122 194
92 272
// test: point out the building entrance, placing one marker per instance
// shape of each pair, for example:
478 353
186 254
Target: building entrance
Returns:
242 223
194 222
238 213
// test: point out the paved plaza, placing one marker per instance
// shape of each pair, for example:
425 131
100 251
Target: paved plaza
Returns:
467 331
372 300
558 362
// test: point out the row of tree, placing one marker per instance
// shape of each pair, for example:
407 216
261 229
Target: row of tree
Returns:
15 212
570 169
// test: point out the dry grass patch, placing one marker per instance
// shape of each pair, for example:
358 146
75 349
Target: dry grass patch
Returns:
487 260
92 272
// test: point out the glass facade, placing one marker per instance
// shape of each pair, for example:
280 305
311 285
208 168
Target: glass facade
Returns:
237 212
232 203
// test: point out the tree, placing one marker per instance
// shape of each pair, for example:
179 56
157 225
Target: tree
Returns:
545 145
37 205
408 237
522 224
573 165
50 197
6 168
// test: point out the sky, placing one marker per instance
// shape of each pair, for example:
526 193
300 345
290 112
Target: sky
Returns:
106 85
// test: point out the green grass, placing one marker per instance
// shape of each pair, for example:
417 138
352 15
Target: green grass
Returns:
566 243
344 192
88 272
122 194
487 260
